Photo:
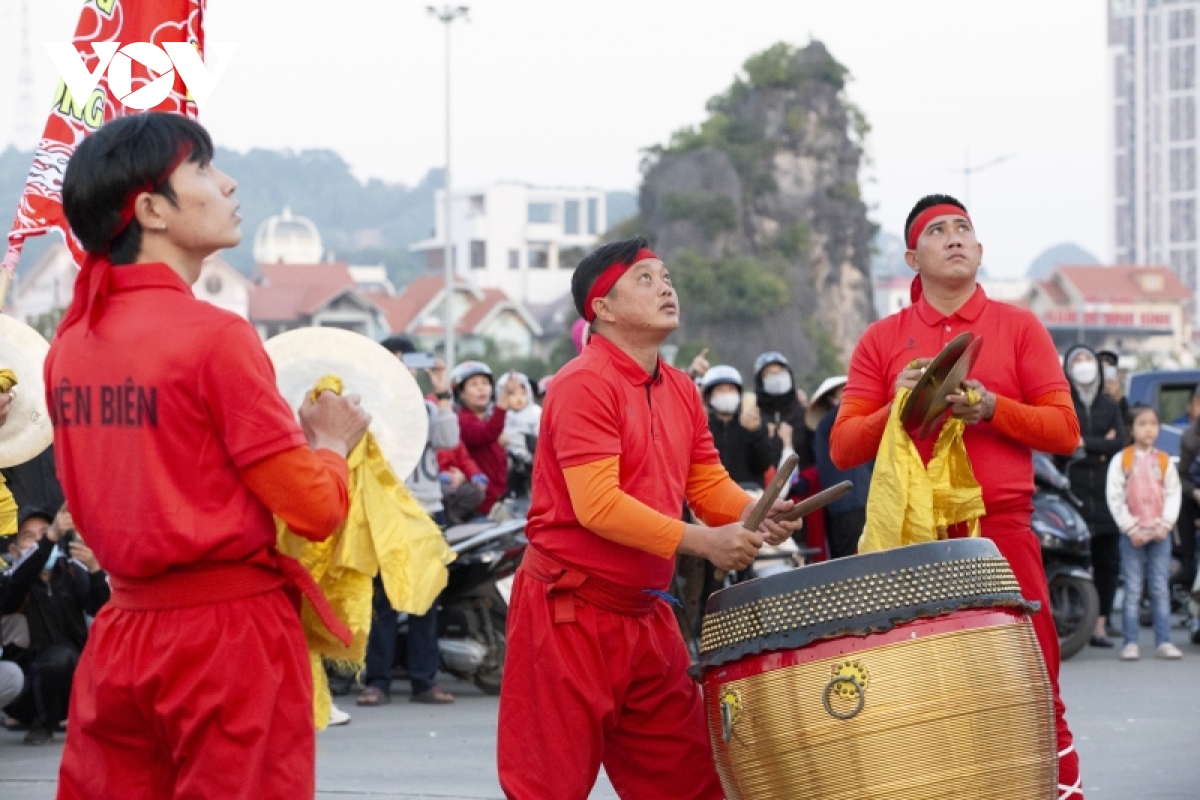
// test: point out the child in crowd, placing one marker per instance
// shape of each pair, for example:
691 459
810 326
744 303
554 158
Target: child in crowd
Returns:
463 484
481 424
1144 497
521 430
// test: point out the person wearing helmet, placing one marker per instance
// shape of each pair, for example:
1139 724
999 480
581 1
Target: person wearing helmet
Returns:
595 671
741 441
481 424
775 391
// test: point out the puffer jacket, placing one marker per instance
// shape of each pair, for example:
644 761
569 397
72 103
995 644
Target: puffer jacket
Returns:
1102 428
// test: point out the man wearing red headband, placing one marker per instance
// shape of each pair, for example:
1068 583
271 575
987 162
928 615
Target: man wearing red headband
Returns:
1026 404
174 449
596 667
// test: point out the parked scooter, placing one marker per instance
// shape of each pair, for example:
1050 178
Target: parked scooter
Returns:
473 609
1066 552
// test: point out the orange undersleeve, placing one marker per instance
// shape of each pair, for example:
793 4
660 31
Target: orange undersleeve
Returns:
606 511
857 431
306 489
713 495
1048 424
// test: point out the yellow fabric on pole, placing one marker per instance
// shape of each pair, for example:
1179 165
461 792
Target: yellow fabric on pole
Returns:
8 506
909 503
387 533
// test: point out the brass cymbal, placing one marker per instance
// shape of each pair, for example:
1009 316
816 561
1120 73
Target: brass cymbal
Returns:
27 431
916 407
953 384
389 392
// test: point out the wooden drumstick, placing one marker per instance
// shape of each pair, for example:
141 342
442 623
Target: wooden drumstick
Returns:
782 476
814 503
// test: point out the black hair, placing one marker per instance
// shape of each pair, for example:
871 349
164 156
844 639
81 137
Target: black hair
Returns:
1140 408
929 201
594 264
399 344
125 154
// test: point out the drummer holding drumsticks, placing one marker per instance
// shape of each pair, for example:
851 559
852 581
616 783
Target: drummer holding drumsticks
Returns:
1025 404
596 666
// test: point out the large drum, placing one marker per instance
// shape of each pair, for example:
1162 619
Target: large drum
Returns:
909 674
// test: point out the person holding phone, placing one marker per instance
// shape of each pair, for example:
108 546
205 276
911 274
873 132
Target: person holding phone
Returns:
56 584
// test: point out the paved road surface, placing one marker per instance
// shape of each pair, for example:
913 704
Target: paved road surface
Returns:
1138 727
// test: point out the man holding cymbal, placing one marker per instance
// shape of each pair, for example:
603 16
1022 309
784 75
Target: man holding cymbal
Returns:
1023 404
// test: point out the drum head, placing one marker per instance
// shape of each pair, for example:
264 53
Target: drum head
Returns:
855 596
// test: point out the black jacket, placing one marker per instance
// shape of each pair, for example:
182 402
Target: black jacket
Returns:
55 610
785 408
1102 427
745 454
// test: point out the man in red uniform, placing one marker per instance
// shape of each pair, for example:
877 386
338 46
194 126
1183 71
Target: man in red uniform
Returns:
1026 404
596 666
174 449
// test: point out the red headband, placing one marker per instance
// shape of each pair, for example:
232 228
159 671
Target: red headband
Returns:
923 219
91 284
609 278
128 208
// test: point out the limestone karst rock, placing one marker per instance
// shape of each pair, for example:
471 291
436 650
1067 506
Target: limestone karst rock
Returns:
758 212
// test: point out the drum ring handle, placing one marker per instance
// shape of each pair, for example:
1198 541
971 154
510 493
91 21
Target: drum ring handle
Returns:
829 687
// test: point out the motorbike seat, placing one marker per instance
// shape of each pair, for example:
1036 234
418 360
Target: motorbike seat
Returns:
460 533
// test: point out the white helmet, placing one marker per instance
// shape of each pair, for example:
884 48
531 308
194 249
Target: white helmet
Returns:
717 375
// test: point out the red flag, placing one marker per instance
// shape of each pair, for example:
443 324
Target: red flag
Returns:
71 119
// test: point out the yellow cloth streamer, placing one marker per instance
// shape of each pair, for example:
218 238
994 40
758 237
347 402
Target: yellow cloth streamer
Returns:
910 503
8 506
387 533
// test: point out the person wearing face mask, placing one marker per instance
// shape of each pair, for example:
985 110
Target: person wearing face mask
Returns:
1102 435
775 391
54 587
740 439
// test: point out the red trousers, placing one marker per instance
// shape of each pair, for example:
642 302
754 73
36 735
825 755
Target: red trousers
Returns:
604 688
1020 547
197 703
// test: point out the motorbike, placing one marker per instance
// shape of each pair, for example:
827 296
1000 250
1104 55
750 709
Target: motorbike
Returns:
473 608
1066 552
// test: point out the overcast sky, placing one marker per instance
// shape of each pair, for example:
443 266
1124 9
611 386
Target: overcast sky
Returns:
566 92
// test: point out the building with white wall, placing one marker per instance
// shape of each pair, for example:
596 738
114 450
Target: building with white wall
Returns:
524 240
1154 102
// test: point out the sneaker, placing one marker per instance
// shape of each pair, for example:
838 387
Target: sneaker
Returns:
337 717
39 734
1167 651
1130 652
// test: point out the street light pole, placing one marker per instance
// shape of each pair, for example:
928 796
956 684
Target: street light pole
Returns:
446 15
969 170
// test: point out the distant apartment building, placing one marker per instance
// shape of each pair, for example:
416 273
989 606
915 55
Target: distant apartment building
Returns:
1154 103
524 240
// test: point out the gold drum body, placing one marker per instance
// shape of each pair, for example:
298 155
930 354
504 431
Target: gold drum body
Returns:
912 674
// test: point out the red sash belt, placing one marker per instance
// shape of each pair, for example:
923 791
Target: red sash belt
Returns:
567 583
208 584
